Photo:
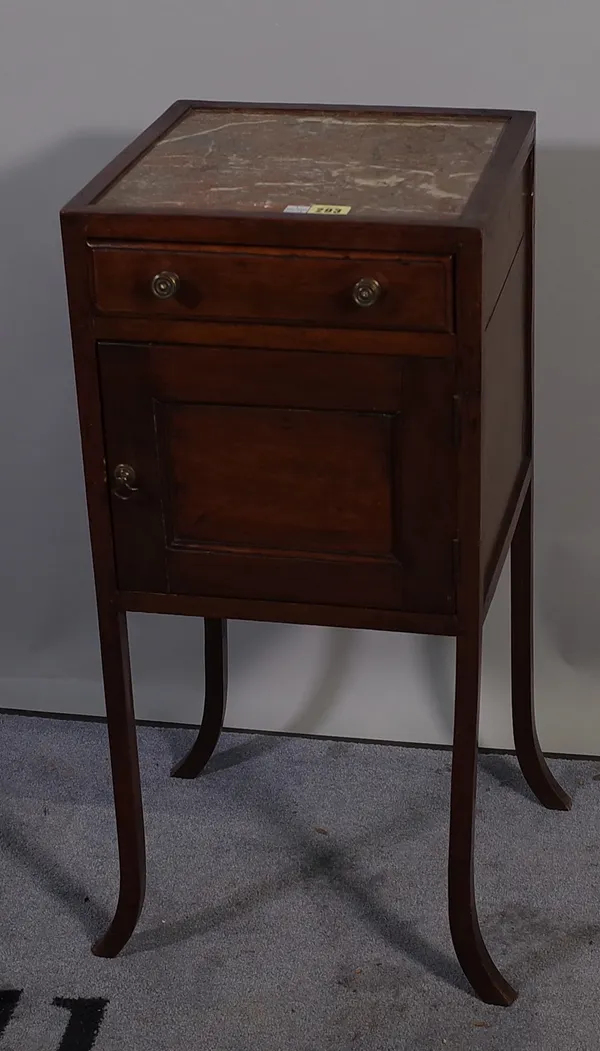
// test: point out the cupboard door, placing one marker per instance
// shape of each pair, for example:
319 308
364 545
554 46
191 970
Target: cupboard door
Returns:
283 476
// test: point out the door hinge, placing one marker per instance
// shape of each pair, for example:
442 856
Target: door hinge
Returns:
456 419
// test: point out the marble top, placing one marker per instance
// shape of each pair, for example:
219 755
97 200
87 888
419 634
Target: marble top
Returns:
369 164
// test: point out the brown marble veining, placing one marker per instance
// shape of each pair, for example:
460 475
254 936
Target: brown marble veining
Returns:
375 164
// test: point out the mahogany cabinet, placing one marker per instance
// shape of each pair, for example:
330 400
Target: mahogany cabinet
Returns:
303 350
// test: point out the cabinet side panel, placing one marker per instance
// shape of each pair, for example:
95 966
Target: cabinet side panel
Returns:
502 239
504 408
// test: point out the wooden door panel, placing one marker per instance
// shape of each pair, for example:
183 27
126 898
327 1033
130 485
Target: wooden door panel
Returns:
310 483
277 479
286 577
129 427
250 376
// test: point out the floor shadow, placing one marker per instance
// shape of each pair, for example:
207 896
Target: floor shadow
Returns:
506 772
541 939
554 946
248 747
330 864
72 895
333 864
211 917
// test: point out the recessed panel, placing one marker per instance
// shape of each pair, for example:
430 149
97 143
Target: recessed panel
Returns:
278 479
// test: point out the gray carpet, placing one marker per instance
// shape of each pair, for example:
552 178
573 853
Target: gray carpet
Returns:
296 899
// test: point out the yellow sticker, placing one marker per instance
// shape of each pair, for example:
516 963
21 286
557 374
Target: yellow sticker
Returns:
329 209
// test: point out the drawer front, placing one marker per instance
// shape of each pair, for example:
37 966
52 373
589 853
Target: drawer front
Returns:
327 289
283 476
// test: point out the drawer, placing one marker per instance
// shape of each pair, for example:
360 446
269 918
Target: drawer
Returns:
365 290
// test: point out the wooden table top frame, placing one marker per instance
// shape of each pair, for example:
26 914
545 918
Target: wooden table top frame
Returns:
482 241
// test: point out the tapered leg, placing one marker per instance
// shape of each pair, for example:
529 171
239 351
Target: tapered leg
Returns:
529 753
215 696
126 782
472 954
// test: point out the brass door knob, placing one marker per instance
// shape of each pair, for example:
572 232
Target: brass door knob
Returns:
165 285
366 292
124 479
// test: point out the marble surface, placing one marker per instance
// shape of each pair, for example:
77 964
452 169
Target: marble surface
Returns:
371 163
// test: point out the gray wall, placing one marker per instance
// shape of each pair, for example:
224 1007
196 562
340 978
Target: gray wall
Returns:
77 80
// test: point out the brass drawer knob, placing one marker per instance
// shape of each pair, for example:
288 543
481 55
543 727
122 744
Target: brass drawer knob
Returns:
165 285
124 479
366 292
